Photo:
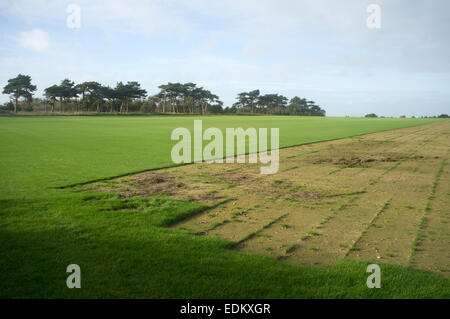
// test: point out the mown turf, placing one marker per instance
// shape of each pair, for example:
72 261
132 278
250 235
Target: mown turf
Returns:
122 246
42 152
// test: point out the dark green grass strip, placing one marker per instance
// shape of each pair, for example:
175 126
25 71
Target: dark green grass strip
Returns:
347 194
415 246
253 234
205 209
380 211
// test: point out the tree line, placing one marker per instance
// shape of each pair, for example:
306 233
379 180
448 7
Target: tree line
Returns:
92 96
177 98
254 102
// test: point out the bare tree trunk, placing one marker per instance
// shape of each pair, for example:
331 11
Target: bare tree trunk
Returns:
83 101
15 104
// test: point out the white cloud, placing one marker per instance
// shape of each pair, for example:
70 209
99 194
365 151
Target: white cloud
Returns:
35 40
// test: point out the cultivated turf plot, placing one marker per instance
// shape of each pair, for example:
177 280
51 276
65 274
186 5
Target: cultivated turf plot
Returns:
383 197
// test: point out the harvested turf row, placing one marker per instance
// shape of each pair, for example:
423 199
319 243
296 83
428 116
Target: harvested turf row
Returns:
430 249
307 241
390 237
326 247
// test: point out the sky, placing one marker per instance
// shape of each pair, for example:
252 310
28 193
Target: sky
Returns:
322 50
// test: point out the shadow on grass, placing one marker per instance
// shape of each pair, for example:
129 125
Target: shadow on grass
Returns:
128 254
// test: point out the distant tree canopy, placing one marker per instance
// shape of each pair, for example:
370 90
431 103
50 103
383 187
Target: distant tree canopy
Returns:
178 98
18 87
253 102
174 98
187 98
94 96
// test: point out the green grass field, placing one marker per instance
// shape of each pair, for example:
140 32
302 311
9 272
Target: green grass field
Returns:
132 254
